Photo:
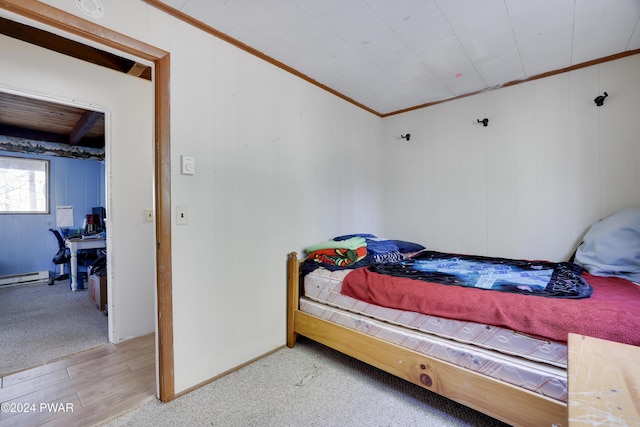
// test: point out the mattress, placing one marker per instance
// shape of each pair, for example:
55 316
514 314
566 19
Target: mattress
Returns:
544 379
324 286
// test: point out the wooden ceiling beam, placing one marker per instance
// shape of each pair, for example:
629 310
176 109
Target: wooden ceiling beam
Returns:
86 122
68 47
137 69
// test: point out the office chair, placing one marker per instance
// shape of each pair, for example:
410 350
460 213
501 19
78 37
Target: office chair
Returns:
63 256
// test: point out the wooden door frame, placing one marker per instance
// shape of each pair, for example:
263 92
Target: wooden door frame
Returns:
70 24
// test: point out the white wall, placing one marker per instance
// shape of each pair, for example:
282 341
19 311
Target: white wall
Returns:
549 164
277 164
281 164
127 102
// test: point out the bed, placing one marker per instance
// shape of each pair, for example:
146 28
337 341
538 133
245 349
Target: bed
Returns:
512 373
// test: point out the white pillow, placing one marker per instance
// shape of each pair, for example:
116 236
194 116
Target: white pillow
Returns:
611 247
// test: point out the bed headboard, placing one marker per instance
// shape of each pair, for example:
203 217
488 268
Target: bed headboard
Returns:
293 295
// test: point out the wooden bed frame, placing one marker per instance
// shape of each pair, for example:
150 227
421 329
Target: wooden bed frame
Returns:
495 398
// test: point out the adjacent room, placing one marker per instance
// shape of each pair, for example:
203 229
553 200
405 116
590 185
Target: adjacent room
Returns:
53 181
264 133
43 318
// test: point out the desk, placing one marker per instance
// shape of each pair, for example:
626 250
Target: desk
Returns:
604 380
74 246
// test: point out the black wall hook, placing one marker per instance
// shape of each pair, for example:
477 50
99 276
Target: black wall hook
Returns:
485 122
407 136
600 99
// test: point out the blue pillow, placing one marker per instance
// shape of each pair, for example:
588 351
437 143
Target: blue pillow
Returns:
405 247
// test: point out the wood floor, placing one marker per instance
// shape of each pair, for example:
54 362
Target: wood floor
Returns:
84 389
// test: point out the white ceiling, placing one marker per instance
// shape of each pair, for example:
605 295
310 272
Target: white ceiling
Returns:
389 55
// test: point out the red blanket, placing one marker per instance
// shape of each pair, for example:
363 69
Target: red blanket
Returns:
612 312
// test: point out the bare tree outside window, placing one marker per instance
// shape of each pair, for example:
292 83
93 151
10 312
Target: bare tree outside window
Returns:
24 186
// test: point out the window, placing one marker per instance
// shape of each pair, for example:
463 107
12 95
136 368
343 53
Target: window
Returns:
24 186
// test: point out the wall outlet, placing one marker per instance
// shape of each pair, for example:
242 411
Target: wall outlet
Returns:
181 215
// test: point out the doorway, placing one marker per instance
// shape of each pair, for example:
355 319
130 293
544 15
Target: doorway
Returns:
63 23
42 319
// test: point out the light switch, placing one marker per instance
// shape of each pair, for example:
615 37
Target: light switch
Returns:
148 215
188 164
181 215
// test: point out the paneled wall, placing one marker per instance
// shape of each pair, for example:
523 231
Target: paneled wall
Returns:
528 185
26 244
281 164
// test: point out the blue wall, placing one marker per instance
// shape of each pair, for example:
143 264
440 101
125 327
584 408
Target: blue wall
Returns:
26 244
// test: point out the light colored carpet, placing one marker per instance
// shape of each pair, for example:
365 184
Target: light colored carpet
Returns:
309 385
40 323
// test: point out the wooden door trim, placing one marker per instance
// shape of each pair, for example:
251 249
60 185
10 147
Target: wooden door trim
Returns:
86 30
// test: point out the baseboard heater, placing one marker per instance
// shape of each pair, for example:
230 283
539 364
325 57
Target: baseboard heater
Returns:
24 277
